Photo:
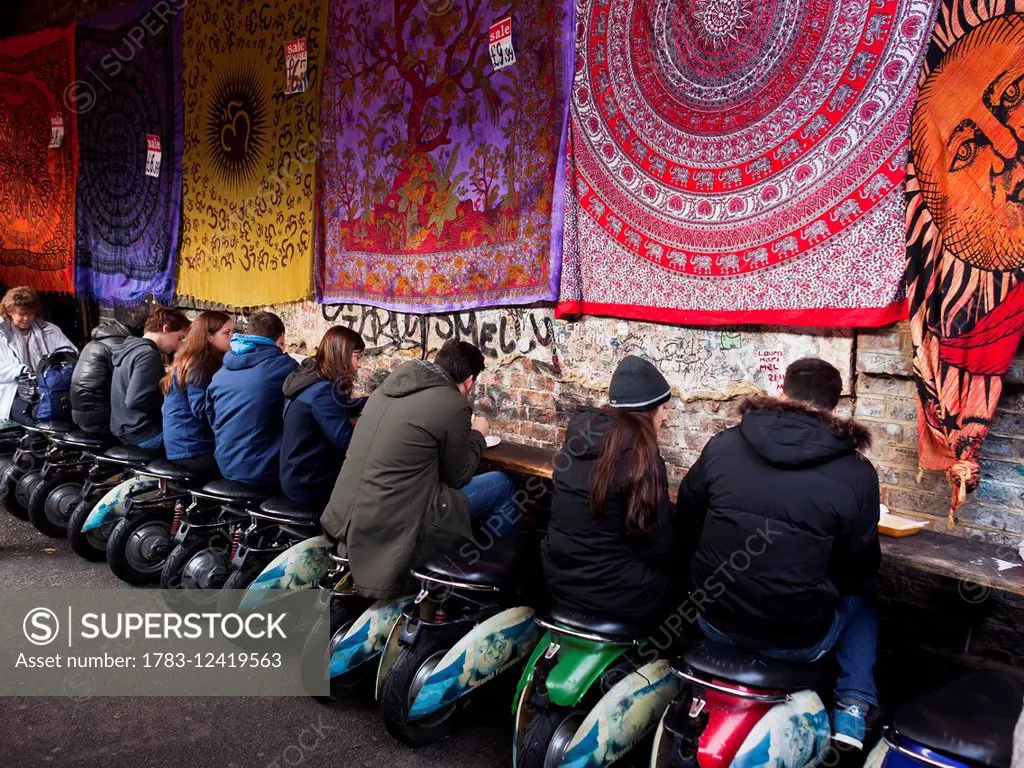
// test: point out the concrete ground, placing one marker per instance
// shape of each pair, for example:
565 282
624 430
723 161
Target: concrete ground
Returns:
193 732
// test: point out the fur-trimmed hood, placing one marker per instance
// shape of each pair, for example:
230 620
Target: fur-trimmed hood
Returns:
791 433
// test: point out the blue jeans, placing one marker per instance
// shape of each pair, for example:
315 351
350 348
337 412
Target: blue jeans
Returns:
492 503
853 635
153 444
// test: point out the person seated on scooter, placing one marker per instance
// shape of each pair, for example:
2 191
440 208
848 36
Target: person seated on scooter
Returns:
609 545
25 339
245 402
784 510
407 490
188 437
135 396
318 414
90 381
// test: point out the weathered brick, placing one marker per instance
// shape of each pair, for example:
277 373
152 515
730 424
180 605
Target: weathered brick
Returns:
916 501
884 363
887 386
870 407
994 517
1000 447
1007 472
1007 424
898 409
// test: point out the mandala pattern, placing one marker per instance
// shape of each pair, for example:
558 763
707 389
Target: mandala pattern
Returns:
37 182
249 170
739 161
128 222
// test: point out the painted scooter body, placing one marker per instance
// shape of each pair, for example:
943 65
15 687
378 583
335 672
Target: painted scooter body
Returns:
111 507
298 567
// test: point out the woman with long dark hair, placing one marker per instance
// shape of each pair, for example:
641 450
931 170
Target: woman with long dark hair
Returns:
188 437
318 414
610 539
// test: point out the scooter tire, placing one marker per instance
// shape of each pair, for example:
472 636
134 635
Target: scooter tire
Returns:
8 481
170 575
24 487
45 517
397 694
90 545
533 751
316 658
124 552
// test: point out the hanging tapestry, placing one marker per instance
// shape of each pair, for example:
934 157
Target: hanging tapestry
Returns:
734 161
250 150
442 176
965 230
128 98
38 160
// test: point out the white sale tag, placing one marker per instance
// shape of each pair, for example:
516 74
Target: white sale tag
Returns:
153 154
56 130
499 44
295 66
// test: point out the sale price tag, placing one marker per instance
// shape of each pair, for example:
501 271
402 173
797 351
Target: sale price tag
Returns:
56 130
153 154
295 66
499 44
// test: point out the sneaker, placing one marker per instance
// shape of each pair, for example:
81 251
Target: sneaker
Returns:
849 723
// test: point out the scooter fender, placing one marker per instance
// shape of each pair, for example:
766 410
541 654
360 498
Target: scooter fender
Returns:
110 508
879 756
367 636
580 664
298 567
623 716
793 734
491 647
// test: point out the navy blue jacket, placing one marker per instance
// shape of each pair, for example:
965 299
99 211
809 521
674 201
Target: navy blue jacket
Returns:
245 404
187 431
317 431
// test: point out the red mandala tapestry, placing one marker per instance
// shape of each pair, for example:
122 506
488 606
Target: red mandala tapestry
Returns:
38 161
734 161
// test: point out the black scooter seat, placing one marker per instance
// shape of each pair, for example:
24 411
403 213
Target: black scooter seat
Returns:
971 719
474 565
716 661
82 440
129 454
228 490
284 508
597 625
53 427
168 470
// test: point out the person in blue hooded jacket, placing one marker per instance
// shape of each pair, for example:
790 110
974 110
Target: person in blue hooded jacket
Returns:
245 402
188 437
318 414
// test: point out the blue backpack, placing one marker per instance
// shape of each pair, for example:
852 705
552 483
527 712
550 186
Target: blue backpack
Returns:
48 389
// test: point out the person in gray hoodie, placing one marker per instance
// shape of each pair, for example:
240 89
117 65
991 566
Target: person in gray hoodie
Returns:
135 396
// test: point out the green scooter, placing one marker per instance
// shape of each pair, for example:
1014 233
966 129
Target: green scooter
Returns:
592 690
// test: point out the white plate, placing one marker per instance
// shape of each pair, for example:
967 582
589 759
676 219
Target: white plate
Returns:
492 440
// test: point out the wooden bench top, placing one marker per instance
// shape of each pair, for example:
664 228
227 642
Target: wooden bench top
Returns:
975 564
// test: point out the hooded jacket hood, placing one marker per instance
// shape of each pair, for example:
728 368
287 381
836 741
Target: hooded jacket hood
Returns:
130 346
415 376
301 379
112 329
250 357
788 433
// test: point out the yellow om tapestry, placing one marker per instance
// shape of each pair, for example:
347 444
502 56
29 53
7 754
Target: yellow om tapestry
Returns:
252 105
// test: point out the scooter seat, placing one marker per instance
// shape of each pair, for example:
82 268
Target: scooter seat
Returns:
82 440
228 490
168 470
716 661
971 719
129 454
54 427
600 626
285 508
476 566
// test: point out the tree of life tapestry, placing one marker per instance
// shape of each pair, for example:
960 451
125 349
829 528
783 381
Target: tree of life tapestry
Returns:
965 230
249 168
442 163
38 161
734 161
130 134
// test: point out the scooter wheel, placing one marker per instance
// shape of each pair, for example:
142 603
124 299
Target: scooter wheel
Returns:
8 481
139 546
50 518
316 658
547 738
92 545
173 574
26 484
411 669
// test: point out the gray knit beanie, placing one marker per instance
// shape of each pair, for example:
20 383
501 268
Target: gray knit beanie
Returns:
637 386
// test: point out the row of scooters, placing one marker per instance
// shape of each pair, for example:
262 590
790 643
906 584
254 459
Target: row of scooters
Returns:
591 691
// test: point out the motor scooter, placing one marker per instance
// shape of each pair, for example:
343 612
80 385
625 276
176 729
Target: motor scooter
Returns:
52 498
589 694
736 709
966 724
19 473
463 629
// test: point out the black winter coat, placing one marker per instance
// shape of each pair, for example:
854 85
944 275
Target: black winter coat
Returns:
594 565
785 511
90 381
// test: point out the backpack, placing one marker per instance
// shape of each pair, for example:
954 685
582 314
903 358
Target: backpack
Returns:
48 389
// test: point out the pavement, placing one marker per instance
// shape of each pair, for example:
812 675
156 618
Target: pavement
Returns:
172 732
